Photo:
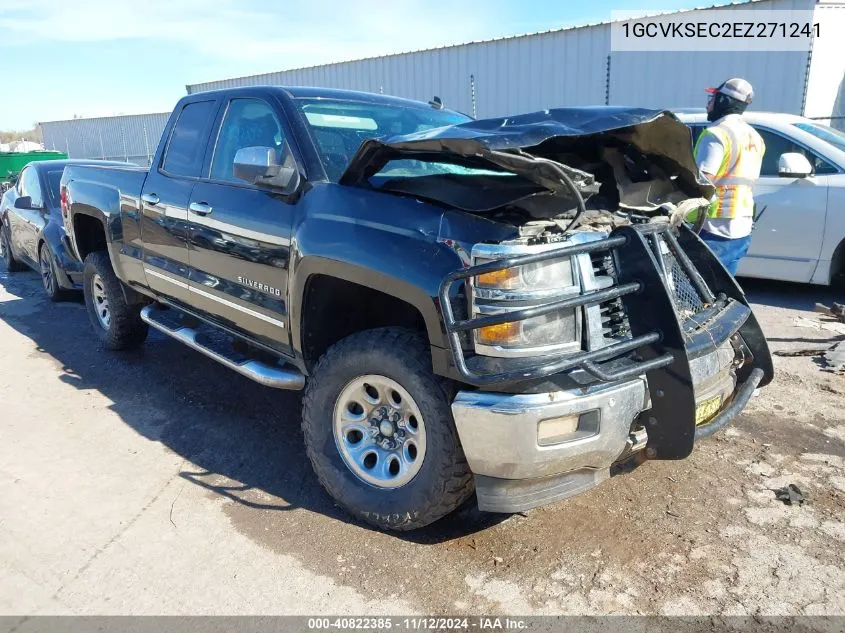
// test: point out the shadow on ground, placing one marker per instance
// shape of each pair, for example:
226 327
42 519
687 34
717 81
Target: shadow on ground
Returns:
244 439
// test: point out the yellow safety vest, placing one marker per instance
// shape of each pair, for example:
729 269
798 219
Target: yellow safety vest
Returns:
740 168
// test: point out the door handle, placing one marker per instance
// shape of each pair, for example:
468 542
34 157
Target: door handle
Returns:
200 208
150 198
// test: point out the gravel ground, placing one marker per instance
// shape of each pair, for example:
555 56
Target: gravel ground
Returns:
158 482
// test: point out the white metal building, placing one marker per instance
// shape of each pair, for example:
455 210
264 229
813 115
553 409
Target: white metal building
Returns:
132 138
575 66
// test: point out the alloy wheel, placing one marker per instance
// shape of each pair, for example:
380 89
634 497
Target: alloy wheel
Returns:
101 302
46 266
379 431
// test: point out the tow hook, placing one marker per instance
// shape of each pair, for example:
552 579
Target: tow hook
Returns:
637 440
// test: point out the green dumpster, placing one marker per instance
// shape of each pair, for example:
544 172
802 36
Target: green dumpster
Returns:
11 163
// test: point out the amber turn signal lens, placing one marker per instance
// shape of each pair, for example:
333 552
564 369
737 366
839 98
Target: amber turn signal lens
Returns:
498 278
498 334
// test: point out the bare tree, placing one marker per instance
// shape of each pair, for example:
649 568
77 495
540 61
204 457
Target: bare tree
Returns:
33 134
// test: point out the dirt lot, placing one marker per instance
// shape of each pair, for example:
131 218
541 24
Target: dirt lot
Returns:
158 482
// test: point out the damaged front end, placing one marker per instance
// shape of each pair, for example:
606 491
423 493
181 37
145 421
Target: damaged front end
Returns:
591 166
605 325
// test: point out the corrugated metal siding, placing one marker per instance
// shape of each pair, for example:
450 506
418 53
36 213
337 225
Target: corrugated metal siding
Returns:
511 75
678 79
658 80
132 137
826 82
559 68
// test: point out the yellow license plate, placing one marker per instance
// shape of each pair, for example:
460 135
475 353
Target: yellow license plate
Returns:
704 411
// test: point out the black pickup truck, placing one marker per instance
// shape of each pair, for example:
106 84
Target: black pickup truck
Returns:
507 306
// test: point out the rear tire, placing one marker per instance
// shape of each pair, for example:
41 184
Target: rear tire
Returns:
12 264
423 474
117 323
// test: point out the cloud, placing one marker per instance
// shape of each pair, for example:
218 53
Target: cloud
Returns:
203 41
285 36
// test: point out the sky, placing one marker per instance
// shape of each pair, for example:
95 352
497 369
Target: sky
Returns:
87 58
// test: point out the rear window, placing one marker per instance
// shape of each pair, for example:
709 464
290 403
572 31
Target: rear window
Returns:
188 140
54 178
341 121
825 133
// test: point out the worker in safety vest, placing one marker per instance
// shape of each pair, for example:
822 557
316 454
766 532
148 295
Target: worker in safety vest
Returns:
729 152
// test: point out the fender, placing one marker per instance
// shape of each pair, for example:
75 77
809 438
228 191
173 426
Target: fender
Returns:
403 263
416 296
400 246
103 203
53 236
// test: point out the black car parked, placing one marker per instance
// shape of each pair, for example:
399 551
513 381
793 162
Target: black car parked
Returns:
32 231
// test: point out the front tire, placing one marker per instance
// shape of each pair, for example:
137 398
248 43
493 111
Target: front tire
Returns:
12 264
379 431
47 267
117 323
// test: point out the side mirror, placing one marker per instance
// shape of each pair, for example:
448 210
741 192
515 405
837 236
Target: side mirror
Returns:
794 165
24 202
267 166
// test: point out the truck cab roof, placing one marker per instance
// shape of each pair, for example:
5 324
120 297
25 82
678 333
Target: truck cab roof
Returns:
309 92
49 165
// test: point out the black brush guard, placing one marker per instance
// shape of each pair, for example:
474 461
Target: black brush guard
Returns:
662 342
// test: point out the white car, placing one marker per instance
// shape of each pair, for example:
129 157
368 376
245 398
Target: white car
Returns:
800 199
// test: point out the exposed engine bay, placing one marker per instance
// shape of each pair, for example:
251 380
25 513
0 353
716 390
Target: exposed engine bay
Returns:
549 172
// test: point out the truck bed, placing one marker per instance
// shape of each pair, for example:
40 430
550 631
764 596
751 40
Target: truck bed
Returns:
128 179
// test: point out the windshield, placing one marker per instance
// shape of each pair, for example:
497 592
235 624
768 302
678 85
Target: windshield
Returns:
54 178
825 133
412 168
339 126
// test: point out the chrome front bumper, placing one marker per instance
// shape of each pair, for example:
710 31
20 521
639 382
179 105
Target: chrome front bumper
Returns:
514 471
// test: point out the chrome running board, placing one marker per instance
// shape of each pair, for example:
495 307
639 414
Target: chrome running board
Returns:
275 376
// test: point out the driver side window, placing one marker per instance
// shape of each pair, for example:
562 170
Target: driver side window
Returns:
29 186
247 123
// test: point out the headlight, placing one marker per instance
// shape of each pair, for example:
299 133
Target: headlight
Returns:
521 287
553 275
550 329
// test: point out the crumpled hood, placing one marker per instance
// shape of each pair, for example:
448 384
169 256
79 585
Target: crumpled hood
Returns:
647 152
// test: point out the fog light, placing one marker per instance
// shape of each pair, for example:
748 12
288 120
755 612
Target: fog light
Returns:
568 427
555 430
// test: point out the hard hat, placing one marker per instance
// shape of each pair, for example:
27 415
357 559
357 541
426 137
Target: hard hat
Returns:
735 88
